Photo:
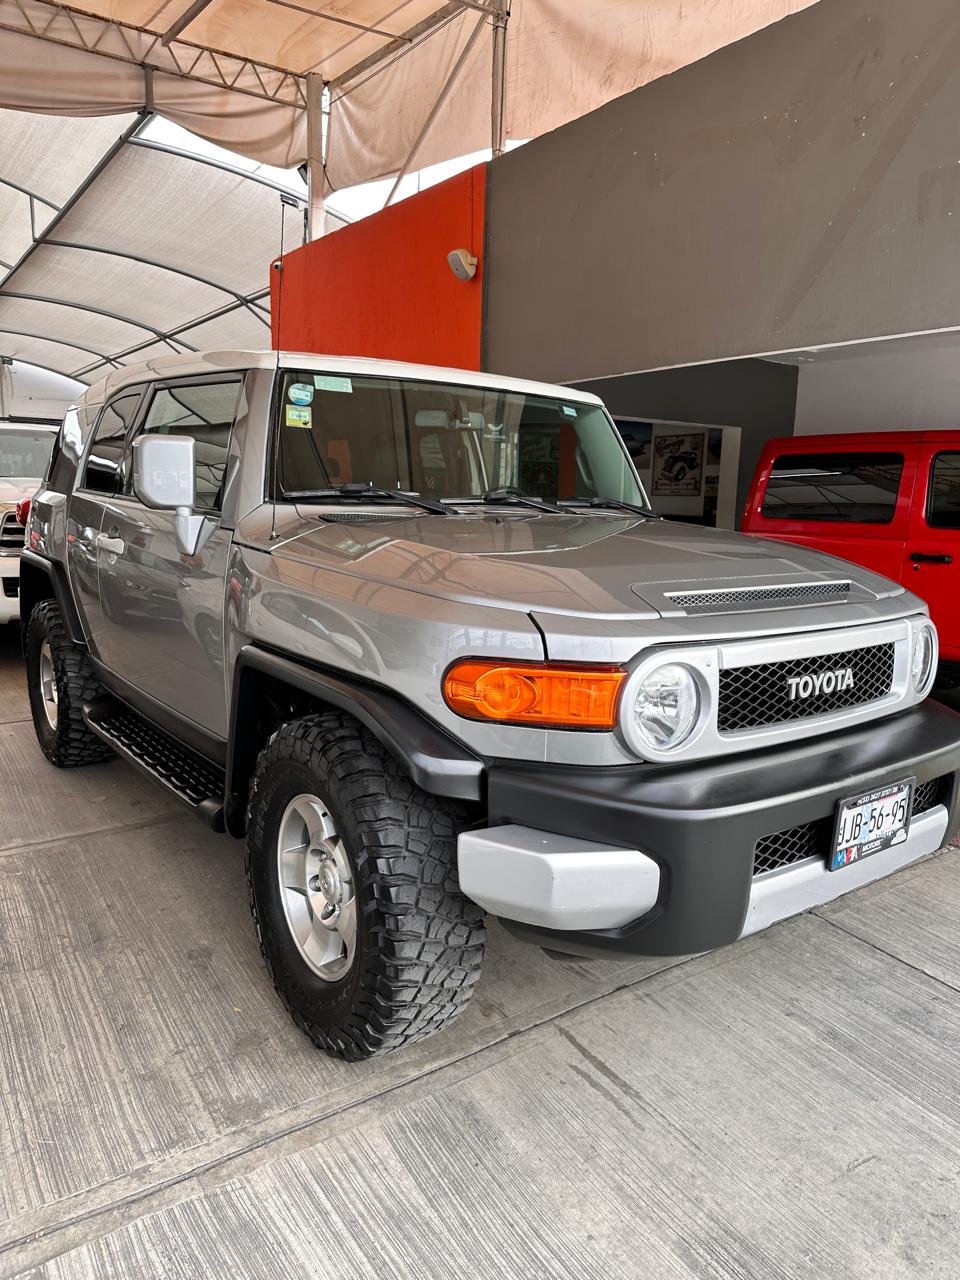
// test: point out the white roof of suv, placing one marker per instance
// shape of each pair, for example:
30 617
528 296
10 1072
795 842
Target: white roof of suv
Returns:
174 366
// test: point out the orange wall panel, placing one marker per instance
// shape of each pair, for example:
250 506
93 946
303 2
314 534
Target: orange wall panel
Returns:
382 287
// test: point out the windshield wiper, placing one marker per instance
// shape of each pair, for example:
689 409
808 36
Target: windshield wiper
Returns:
507 495
612 504
364 493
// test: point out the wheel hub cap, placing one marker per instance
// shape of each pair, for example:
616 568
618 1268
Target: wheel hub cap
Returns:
316 887
48 685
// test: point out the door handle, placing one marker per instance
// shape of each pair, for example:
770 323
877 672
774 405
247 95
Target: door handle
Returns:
112 546
918 556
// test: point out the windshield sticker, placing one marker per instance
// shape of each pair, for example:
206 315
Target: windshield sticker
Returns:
297 417
330 382
569 410
300 392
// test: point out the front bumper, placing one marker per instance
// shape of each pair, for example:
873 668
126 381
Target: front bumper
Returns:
699 825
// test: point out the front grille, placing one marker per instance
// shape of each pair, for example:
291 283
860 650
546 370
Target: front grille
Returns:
11 587
758 695
795 844
11 531
812 839
788 596
929 794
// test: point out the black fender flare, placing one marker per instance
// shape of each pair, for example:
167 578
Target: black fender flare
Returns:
435 760
42 579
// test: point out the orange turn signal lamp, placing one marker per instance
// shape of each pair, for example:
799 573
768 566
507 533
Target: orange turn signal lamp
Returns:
548 694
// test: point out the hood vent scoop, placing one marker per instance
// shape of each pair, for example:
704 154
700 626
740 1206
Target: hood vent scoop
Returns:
364 517
741 599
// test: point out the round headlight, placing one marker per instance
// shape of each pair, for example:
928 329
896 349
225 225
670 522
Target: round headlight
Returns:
924 657
666 707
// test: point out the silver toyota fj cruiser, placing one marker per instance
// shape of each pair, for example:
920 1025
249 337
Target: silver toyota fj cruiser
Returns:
417 635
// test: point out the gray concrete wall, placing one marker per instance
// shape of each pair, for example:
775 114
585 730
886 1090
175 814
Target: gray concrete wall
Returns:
912 386
757 396
797 188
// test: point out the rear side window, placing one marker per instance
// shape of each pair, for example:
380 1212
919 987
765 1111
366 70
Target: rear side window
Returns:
943 503
859 488
102 474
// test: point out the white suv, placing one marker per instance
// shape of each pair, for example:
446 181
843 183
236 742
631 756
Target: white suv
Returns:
25 449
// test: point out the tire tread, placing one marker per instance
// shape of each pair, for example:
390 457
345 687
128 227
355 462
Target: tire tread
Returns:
429 938
73 744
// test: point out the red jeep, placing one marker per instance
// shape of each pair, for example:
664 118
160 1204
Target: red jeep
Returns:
889 501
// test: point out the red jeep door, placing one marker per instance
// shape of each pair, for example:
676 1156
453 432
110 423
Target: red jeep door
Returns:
931 561
847 495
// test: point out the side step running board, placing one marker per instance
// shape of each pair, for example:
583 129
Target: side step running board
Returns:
197 782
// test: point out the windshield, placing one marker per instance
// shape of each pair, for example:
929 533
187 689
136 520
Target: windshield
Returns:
446 441
25 453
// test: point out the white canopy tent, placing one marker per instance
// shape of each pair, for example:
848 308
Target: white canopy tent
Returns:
117 247
406 82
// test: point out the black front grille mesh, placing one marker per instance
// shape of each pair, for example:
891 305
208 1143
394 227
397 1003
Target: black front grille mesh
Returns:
787 596
11 531
812 839
794 844
761 694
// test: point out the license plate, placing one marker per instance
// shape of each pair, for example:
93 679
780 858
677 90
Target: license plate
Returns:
870 822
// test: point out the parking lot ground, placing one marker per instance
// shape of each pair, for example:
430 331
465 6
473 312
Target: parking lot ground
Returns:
787 1107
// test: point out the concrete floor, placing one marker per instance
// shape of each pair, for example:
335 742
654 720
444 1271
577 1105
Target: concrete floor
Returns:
784 1108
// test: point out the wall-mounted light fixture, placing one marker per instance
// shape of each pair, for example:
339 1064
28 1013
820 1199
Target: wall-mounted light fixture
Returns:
463 263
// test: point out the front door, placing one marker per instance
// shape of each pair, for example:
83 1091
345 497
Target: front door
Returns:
162 627
931 563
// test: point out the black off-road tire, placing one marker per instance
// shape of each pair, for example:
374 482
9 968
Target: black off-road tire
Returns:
71 743
419 940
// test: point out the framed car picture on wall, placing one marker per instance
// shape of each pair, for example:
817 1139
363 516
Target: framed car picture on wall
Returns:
677 465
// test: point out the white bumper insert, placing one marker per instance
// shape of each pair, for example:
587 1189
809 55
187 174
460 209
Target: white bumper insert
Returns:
557 882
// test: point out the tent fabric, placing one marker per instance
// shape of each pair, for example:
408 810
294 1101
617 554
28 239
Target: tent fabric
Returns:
42 76
235 75
562 61
133 250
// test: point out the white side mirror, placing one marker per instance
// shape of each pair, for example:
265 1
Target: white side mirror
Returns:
164 478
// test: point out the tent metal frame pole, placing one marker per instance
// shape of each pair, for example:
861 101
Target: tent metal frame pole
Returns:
498 83
153 145
405 43
161 266
158 334
172 333
316 157
438 105
25 191
57 342
108 156
332 17
189 14
139 47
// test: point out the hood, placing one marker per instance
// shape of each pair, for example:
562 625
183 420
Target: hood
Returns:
14 488
591 565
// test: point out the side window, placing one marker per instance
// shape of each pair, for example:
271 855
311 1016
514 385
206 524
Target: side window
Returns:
943 502
204 410
103 469
860 488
